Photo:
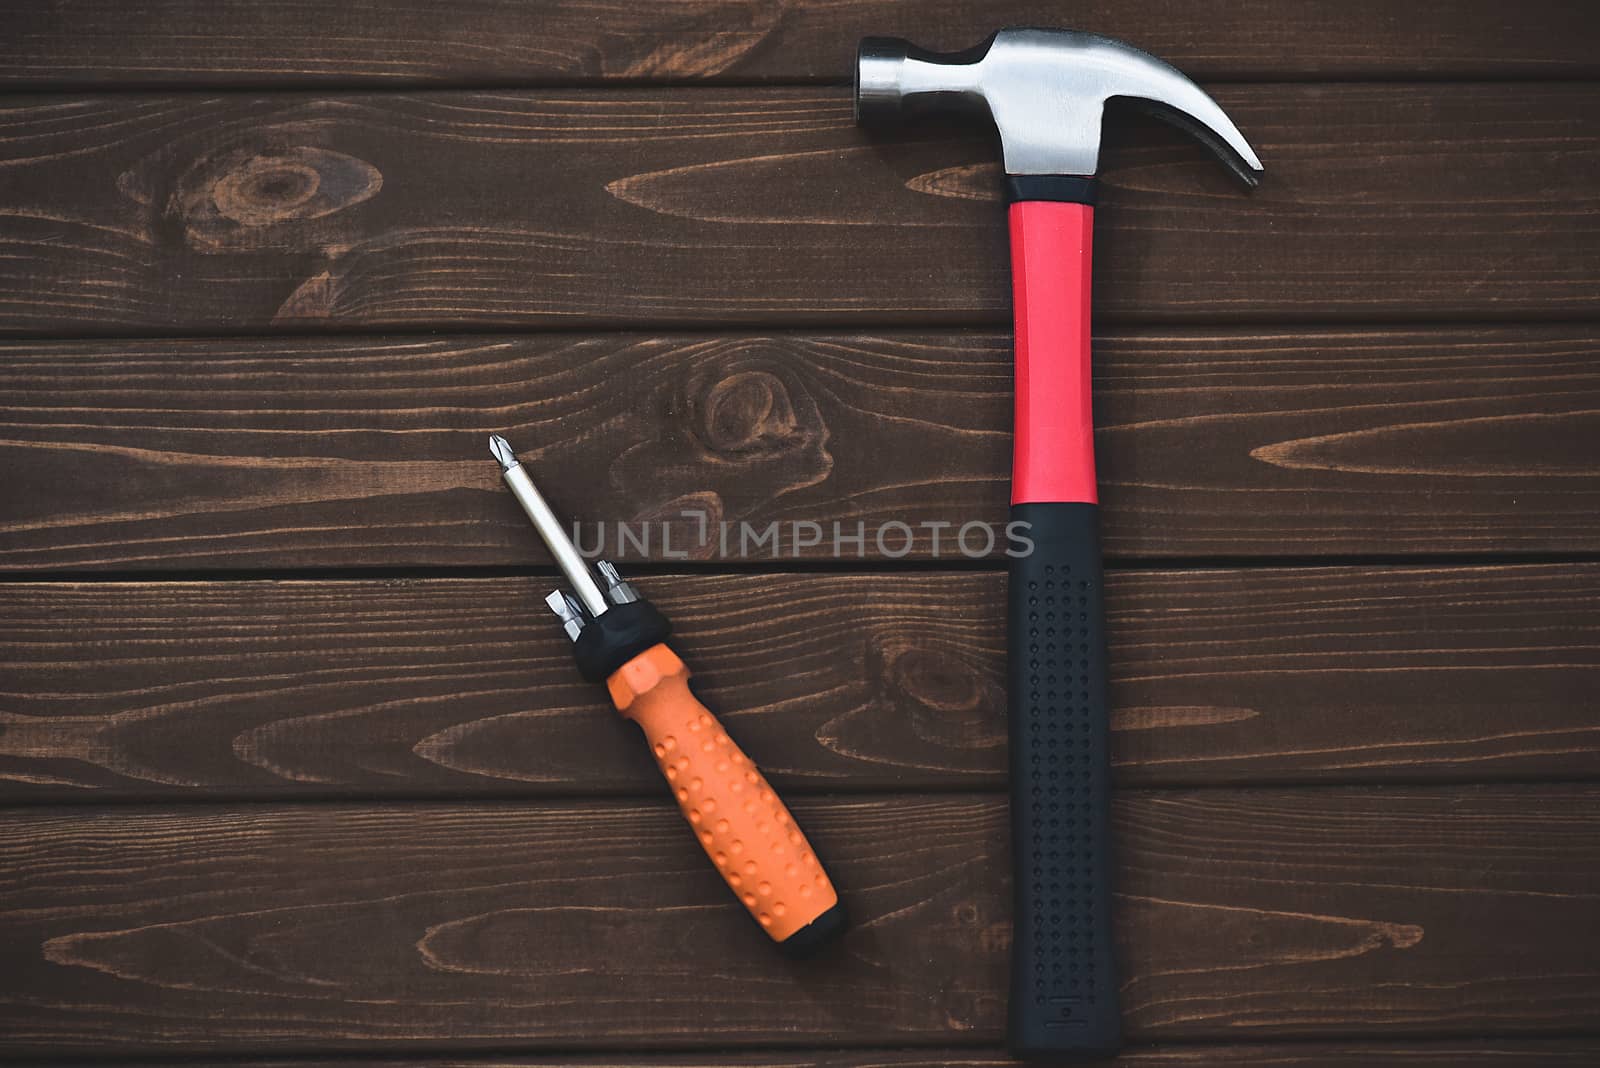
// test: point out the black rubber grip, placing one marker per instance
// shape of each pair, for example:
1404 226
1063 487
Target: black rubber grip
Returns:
1063 972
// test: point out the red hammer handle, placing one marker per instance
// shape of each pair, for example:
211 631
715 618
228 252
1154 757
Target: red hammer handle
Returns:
1051 245
1064 979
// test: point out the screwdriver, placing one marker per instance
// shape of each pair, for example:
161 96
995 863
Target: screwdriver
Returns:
619 637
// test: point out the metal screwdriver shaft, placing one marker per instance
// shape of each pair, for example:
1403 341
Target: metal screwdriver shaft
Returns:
545 522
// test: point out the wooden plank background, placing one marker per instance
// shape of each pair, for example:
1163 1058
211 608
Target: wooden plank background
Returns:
859 681
742 207
293 764
1525 1053
275 42
335 452
218 929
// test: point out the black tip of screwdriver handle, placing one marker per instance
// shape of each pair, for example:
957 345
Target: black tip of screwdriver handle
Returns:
817 934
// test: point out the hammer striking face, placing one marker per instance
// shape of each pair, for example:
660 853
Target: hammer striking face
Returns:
1045 91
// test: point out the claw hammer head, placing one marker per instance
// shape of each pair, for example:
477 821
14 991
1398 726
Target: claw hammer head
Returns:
1045 91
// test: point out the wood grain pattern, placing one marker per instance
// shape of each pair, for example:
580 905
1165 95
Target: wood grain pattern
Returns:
236 214
283 42
1480 1053
463 687
1259 912
477 868
322 452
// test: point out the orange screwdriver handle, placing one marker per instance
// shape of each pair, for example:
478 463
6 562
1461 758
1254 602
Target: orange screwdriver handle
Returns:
745 829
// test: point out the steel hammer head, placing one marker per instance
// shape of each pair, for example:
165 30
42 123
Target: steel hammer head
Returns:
1045 91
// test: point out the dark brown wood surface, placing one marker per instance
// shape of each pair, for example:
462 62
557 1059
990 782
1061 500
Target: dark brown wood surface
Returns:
861 681
293 764
1482 1053
226 42
238 213
323 452
1268 913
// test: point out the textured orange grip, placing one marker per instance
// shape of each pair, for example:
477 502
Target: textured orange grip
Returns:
744 827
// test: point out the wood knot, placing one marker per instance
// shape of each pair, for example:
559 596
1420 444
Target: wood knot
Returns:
750 413
254 198
928 703
265 190
687 526
946 697
741 426
935 680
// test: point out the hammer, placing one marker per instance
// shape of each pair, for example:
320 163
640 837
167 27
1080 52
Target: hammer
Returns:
1045 92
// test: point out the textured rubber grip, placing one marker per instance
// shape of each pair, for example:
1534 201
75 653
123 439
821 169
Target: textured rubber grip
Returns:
745 828
1064 977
